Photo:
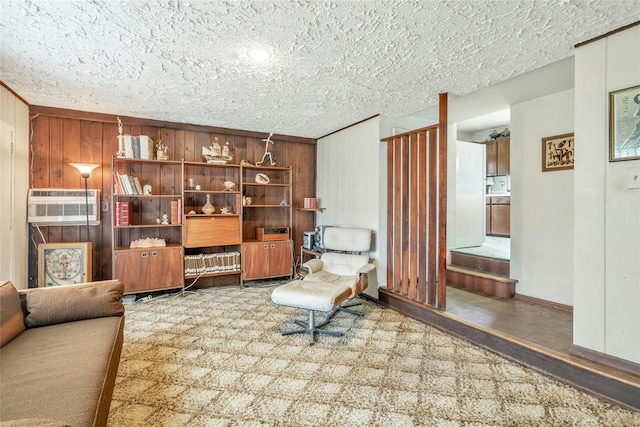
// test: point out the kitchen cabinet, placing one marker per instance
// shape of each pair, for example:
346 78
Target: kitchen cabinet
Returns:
498 156
498 214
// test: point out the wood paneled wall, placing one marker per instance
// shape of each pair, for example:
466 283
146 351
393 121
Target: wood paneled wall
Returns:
61 136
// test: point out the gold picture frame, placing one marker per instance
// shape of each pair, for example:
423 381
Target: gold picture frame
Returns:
558 152
624 124
62 264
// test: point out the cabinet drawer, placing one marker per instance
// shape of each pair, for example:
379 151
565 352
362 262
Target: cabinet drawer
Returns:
212 231
501 200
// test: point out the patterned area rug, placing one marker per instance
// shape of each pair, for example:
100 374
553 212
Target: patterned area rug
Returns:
217 358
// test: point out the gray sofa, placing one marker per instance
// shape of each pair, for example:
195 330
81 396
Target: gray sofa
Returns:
60 353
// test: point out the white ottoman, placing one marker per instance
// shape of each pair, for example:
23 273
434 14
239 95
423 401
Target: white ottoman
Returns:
313 297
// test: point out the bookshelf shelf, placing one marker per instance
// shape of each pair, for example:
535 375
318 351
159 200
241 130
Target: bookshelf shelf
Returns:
135 218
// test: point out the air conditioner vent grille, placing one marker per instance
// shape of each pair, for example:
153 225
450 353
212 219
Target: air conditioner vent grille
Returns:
63 207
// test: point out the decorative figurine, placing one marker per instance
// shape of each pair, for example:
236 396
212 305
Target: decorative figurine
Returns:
149 242
216 155
165 219
121 152
162 152
215 148
283 202
262 178
146 190
228 185
225 211
246 201
272 160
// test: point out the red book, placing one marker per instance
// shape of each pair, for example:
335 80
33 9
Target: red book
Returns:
125 213
117 218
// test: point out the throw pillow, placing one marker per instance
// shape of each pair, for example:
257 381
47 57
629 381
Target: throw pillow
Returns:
49 306
11 316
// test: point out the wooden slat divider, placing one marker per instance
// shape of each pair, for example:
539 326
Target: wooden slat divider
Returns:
413 219
442 202
390 212
404 214
433 216
396 231
416 213
422 214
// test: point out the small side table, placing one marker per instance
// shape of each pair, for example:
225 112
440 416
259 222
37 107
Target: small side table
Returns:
307 253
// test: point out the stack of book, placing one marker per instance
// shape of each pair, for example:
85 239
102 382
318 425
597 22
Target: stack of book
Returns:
126 184
211 263
138 147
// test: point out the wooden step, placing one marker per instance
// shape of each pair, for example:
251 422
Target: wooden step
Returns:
485 264
487 283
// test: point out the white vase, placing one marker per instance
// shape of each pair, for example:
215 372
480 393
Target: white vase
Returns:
208 208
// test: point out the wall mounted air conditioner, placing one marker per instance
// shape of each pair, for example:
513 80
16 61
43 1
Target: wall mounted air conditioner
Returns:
55 206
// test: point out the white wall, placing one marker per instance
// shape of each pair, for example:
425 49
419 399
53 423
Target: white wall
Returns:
14 120
390 126
348 187
541 202
607 214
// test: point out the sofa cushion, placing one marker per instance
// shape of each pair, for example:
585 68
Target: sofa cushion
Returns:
49 306
62 372
11 316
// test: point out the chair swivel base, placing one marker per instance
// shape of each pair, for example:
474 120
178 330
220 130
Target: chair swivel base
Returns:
344 308
312 328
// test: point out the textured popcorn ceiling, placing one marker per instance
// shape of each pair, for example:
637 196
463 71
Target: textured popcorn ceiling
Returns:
334 63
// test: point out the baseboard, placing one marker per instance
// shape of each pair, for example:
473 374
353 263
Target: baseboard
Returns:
605 359
544 302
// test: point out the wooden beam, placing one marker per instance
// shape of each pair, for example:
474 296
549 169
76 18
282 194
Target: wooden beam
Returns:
442 202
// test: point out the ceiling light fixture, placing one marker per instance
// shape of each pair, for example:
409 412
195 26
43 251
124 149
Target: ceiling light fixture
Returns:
258 54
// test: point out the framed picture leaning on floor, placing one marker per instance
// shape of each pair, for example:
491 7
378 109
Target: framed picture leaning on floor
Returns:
64 263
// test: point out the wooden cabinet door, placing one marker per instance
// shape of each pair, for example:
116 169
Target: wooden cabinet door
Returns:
149 269
504 156
212 231
132 269
501 220
280 258
255 260
165 268
492 157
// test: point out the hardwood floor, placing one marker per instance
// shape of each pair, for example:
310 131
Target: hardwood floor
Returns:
540 324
